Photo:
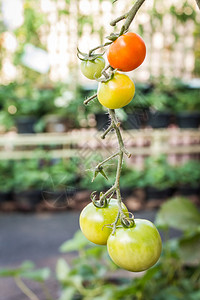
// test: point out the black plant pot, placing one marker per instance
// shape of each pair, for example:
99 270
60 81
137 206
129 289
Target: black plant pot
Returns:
137 119
58 199
102 121
27 200
188 119
159 119
126 192
188 190
5 196
26 124
159 194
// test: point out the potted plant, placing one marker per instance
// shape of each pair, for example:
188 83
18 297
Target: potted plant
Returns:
131 179
187 108
188 178
137 112
60 184
7 96
6 180
28 178
159 178
32 106
160 114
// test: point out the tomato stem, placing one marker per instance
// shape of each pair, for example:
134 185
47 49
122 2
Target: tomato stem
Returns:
23 287
106 160
107 131
120 18
98 47
120 159
89 99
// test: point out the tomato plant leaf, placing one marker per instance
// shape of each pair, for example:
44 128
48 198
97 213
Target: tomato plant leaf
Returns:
178 213
37 275
189 250
68 293
27 265
62 269
78 242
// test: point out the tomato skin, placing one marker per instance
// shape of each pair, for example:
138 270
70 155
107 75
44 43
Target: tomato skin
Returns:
135 249
92 68
127 52
92 220
117 92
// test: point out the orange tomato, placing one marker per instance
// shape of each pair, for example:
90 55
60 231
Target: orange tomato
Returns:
127 52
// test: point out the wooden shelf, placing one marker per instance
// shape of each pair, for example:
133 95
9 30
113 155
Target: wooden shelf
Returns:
138 142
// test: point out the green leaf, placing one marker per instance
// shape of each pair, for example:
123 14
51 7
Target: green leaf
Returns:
78 242
68 293
195 295
96 251
178 213
37 275
190 250
16 271
62 269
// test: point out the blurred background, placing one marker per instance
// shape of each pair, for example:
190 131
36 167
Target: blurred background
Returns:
50 142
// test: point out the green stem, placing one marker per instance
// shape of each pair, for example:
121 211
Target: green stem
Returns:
23 287
131 15
109 191
106 160
120 160
98 47
89 99
120 18
107 131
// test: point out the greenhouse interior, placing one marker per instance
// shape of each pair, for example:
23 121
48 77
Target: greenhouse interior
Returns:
99 150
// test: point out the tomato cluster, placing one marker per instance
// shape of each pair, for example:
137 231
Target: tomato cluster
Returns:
125 54
135 248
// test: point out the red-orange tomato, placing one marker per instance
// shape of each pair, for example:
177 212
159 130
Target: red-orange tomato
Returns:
127 52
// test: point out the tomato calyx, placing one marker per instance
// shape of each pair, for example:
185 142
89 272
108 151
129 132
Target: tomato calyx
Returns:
88 57
107 76
102 202
114 36
97 170
128 221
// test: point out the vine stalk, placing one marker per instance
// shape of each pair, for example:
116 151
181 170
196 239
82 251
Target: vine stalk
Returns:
128 17
114 123
23 287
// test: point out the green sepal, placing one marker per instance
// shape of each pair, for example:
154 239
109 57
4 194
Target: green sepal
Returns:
90 56
113 36
101 203
127 222
101 171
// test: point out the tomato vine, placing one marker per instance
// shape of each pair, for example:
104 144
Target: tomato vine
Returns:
136 238
107 74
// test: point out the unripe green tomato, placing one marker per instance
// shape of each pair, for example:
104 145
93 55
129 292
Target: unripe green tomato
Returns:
137 248
93 219
117 92
92 68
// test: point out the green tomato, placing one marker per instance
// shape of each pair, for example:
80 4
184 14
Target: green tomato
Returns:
92 68
93 219
137 248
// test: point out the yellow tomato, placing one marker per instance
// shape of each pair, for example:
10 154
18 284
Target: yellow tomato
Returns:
117 92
